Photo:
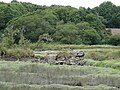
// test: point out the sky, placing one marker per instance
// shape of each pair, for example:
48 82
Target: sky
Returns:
73 3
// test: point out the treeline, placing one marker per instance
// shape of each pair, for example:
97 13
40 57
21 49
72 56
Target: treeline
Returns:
111 14
22 22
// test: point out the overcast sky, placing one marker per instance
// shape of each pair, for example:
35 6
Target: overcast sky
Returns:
73 3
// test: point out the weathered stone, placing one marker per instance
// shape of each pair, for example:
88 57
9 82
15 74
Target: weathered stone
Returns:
64 58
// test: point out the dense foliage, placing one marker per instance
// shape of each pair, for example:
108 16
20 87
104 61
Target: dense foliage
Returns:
25 27
111 13
115 40
63 24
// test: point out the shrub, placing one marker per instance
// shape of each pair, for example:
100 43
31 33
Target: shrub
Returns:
3 50
114 40
19 53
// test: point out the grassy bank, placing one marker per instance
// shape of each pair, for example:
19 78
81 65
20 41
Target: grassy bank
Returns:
54 46
101 69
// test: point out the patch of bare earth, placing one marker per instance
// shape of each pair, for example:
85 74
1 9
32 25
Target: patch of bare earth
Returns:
115 30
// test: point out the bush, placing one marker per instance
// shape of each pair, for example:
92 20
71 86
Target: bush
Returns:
19 53
114 40
3 50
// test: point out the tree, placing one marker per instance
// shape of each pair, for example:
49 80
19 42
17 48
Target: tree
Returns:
14 1
32 27
107 10
78 16
8 11
116 20
95 21
63 13
2 21
56 23
67 33
91 37
83 26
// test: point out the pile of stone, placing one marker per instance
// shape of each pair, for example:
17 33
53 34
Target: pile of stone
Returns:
64 58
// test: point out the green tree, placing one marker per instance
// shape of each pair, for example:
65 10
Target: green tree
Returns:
96 22
107 10
67 33
8 11
91 37
63 13
56 23
83 26
116 20
32 27
77 16
14 1
2 21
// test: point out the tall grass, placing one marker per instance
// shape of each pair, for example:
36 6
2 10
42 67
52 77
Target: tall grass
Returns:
102 66
19 53
57 46
12 86
44 74
105 63
100 55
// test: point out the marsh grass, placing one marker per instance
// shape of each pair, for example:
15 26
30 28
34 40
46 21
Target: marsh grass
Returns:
19 53
115 64
102 54
45 74
100 72
15 51
12 86
58 46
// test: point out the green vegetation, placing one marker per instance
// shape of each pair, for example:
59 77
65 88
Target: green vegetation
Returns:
34 76
106 63
114 40
101 70
26 27
102 54
110 12
58 24
11 86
